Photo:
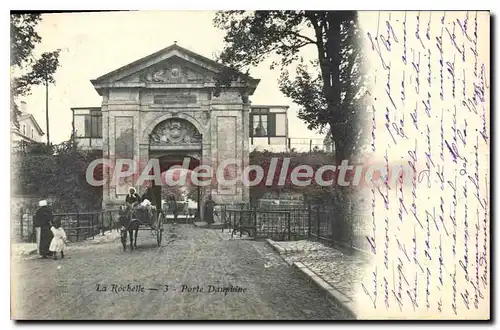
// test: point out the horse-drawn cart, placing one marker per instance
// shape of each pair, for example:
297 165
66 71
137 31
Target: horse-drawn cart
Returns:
141 218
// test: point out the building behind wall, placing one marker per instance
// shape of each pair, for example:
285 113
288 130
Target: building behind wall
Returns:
29 130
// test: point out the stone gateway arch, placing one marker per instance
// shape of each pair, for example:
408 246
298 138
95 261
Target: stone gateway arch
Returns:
163 106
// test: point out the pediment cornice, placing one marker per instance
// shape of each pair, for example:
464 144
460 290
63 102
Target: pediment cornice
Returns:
171 67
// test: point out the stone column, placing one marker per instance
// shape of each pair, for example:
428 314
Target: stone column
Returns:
245 115
206 157
105 152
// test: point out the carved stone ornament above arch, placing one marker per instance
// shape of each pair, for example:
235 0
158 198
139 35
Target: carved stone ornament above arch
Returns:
174 74
175 132
151 126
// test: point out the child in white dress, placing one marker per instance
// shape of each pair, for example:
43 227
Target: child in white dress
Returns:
59 240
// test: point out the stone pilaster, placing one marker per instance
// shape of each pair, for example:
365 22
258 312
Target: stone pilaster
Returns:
122 113
245 114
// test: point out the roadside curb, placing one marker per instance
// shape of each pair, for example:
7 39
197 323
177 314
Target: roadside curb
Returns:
332 293
276 247
329 290
283 250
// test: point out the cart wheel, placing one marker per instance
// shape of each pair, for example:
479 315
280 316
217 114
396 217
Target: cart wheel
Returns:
159 235
159 231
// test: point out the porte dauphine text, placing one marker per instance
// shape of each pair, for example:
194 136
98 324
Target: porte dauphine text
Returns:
182 288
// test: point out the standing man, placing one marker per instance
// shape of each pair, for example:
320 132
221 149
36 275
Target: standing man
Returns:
208 215
43 220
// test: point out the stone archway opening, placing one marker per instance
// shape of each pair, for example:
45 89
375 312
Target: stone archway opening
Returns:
177 178
176 182
177 144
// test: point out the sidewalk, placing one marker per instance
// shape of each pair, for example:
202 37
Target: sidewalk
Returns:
21 250
25 250
339 274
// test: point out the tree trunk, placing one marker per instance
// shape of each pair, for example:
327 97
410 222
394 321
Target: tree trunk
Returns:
47 109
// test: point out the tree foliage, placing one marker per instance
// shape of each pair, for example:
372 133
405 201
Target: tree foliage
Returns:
41 72
328 89
313 192
35 71
57 172
23 37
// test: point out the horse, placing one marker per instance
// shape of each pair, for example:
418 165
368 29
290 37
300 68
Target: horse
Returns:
128 225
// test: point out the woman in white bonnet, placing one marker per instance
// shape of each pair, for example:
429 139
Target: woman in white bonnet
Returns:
133 197
43 222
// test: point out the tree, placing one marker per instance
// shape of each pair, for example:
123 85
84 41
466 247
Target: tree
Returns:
329 90
59 172
24 39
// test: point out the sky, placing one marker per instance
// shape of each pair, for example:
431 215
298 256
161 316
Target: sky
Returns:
94 44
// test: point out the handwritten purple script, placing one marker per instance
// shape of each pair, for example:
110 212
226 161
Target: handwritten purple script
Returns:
431 250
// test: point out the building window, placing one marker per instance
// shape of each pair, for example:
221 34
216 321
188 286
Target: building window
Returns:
262 123
24 129
89 125
32 133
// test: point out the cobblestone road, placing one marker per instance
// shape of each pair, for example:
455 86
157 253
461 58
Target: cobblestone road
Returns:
343 271
67 289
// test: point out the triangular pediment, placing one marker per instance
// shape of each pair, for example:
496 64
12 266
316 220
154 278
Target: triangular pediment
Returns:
171 65
174 70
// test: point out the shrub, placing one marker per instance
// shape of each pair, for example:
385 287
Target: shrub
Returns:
58 172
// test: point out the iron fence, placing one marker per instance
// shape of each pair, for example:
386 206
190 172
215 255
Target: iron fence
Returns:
77 225
289 222
308 145
259 224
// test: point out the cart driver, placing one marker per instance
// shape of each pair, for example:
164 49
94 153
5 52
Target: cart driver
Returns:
132 198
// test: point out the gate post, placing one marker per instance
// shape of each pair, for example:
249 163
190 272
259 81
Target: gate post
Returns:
21 227
309 215
255 221
77 226
288 225
103 220
351 234
318 221
223 216
241 218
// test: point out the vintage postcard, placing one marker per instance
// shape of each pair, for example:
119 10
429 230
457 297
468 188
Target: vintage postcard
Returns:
250 165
